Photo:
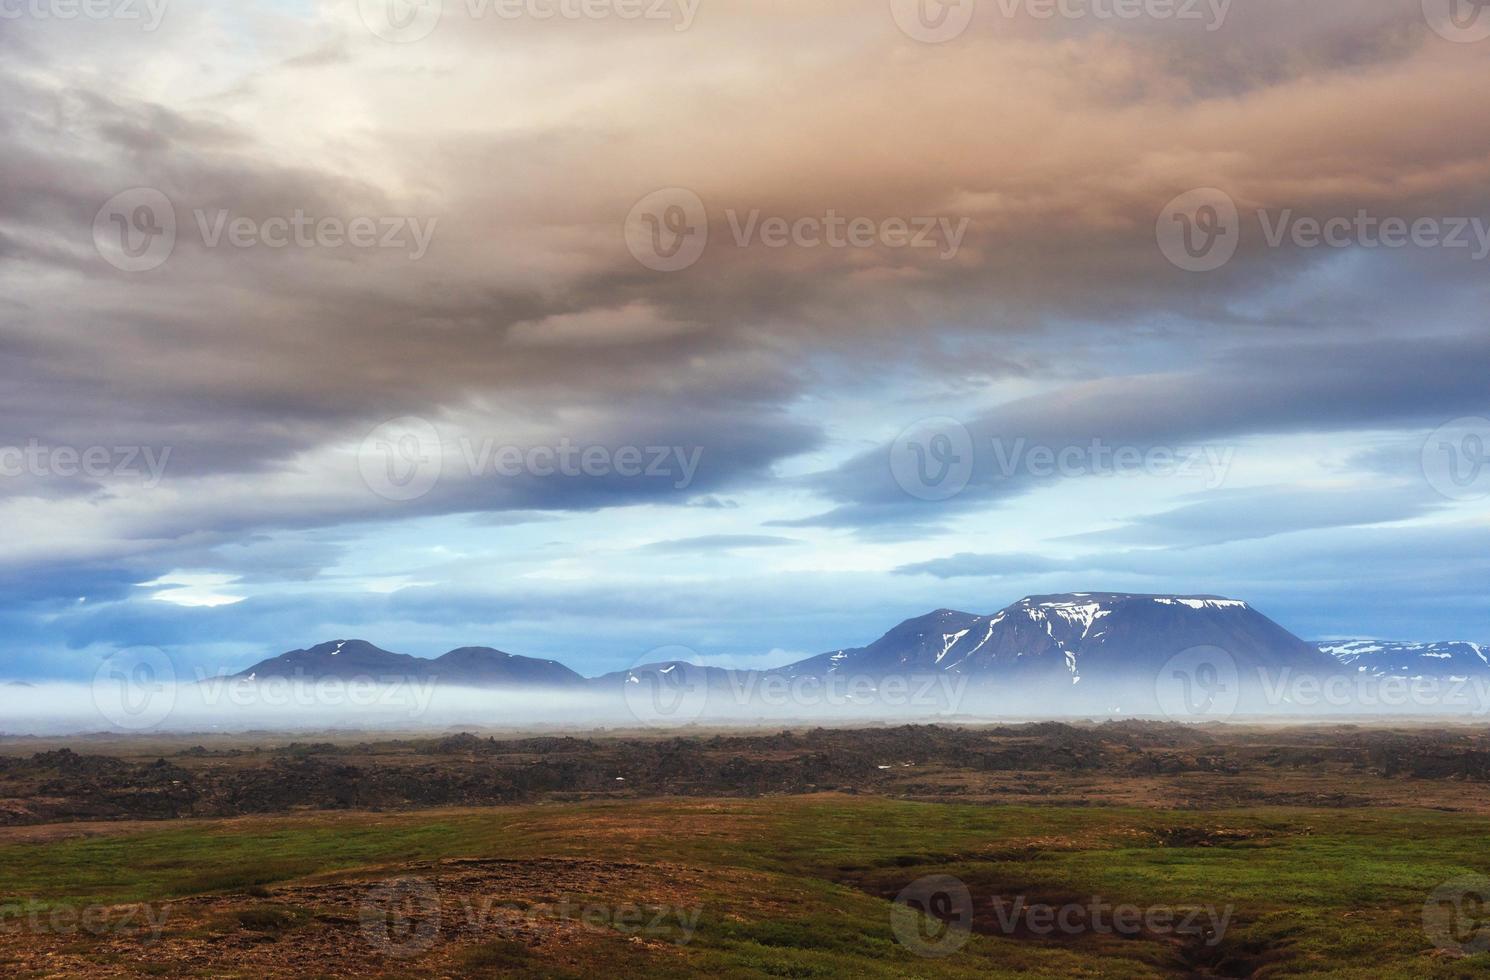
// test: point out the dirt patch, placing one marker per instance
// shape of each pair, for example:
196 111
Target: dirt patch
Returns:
426 919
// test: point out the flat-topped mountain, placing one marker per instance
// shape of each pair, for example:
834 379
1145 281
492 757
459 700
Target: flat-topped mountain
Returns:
1076 636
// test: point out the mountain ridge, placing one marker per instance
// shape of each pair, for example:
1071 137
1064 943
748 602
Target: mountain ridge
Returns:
1388 658
466 666
1063 637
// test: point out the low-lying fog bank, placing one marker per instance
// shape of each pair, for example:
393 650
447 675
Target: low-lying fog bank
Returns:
675 700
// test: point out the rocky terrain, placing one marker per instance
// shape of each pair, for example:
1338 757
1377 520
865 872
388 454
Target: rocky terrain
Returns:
1128 762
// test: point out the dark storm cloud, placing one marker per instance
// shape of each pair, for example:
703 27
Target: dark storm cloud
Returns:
527 320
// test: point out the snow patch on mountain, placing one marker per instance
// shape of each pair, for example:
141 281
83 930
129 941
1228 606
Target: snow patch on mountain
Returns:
950 640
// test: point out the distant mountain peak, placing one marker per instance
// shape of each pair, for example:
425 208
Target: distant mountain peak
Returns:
1379 658
1113 598
1062 638
464 666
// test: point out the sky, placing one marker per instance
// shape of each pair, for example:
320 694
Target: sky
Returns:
745 328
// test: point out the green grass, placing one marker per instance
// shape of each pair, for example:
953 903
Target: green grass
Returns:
204 858
799 884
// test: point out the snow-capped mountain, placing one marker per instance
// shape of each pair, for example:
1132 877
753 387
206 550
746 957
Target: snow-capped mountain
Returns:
1077 637
345 659
669 670
1385 658
1082 646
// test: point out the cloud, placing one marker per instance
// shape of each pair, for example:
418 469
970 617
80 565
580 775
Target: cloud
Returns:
973 565
523 145
1262 512
720 542
1197 416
